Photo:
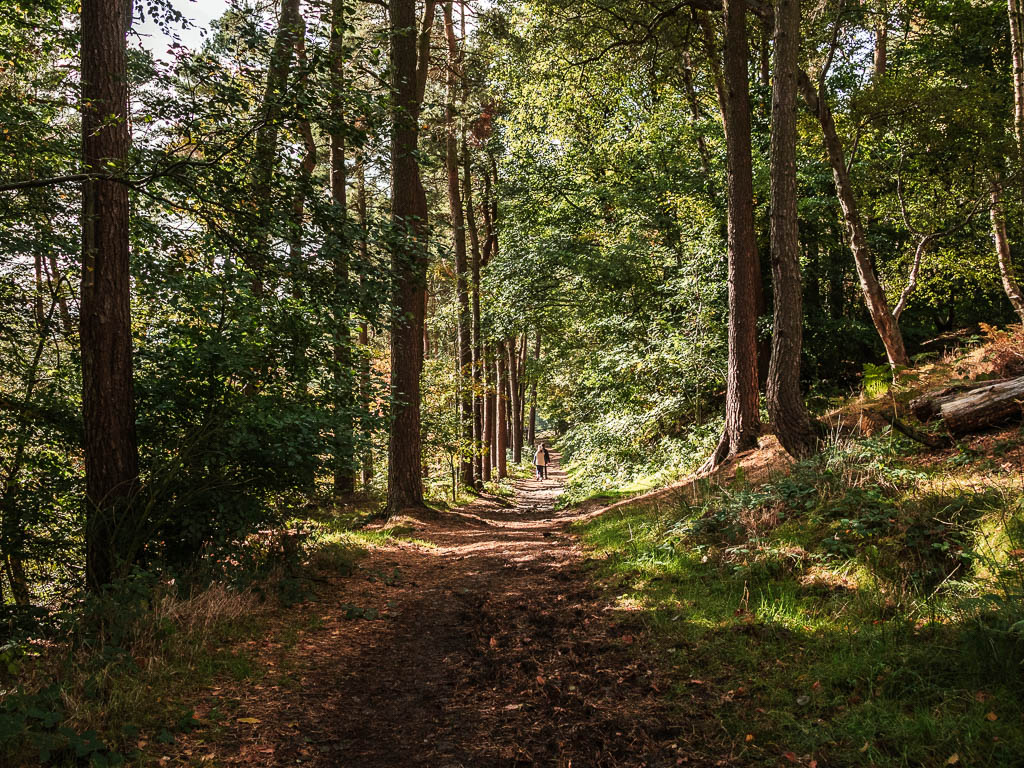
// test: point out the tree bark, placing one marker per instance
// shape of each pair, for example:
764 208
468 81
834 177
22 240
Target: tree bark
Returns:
298 213
365 392
882 317
785 402
1007 272
344 395
465 317
532 441
1002 242
478 362
512 348
108 400
501 411
742 419
408 256
882 40
490 414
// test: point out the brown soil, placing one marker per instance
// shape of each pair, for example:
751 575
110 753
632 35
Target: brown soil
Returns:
493 648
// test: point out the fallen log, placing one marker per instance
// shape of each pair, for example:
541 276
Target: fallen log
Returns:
928 406
976 408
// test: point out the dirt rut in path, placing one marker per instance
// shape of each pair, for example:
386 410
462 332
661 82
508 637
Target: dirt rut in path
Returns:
493 649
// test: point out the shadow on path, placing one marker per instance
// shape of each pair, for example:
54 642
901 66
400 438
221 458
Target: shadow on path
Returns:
494 648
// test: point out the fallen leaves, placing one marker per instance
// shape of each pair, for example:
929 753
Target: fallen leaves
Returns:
249 720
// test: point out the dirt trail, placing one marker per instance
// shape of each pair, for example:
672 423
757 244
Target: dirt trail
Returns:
493 649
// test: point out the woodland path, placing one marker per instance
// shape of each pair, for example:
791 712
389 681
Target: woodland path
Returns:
494 648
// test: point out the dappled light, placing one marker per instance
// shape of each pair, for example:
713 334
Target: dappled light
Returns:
511 383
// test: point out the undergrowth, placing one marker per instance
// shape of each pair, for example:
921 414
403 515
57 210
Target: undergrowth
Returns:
110 676
866 609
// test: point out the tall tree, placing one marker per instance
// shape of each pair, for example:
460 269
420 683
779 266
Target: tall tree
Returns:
515 420
785 402
465 319
408 253
344 399
742 420
501 411
479 409
1004 255
874 297
365 393
108 401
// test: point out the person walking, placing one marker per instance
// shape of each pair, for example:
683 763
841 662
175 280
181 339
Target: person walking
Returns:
547 460
540 460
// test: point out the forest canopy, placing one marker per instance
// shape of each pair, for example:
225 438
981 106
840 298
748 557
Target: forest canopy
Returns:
334 250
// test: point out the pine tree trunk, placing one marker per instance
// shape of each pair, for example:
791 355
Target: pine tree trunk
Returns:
532 441
408 261
344 400
365 391
513 387
785 402
295 240
465 318
490 415
882 40
478 361
108 400
882 317
742 419
501 387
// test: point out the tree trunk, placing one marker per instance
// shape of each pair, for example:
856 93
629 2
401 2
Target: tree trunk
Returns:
344 399
874 296
490 414
1006 269
785 402
742 419
465 317
882 40
512 348
532 441
298 213
1006 272
108 400
501 409
478 362
308 164
408 259
365 392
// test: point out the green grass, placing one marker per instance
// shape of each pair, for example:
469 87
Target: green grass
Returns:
859 612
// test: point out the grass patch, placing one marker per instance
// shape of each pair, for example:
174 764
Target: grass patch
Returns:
126 675
861 611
